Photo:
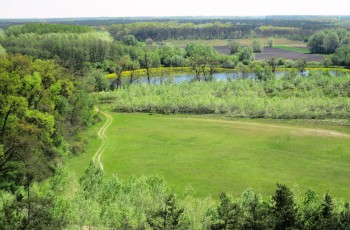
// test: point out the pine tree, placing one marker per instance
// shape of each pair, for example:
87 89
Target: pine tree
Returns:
283 209
229 214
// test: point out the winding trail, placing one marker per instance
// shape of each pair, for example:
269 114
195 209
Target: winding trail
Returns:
102 135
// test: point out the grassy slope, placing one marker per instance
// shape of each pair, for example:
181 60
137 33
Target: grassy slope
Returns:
213 155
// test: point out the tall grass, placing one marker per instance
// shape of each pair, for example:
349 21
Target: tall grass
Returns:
315 96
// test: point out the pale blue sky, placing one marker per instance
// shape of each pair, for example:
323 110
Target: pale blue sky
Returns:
122 8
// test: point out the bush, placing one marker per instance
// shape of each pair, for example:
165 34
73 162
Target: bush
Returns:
257 46
234 47
246 54
270 41
292 96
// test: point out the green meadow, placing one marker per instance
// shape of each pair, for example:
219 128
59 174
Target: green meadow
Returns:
211 153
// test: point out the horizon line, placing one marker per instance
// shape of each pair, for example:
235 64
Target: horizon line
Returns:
181 16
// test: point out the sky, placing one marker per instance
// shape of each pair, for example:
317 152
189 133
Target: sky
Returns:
131 8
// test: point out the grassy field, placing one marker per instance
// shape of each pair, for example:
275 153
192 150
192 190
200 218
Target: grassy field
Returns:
303 50
213 154
243 42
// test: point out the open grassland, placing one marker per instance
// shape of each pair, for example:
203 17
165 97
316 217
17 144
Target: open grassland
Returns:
243 42
214 154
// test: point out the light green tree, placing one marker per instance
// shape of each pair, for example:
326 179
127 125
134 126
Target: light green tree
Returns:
234 47
270 41
149 59
331 42
257 46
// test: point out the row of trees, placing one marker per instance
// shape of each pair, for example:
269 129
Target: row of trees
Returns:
220 29
41 28
69 49
173 30
257 46
148 203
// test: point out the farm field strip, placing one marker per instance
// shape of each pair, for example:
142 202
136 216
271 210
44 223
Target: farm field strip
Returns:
303 50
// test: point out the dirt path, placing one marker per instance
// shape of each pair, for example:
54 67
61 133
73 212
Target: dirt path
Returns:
298 131
102 135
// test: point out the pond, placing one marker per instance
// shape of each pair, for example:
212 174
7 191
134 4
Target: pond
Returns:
186 77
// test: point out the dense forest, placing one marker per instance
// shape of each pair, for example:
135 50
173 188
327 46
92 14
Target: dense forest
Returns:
54 74
95 201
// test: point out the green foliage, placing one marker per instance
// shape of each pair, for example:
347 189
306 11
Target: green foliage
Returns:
99 79
69 49
257 46
216 28
200 58
327 41
342 56
147 203
39 104
255 214
301 65
228 214
2 50
92 180
283 208
315 43
261 72
246 54
228 61
278 30
2 34
331 42
270 41
172 56
148 60
317 96
149 41
130 40
41 28
167 216
234 47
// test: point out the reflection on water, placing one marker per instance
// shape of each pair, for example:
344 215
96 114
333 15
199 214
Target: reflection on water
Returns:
223 76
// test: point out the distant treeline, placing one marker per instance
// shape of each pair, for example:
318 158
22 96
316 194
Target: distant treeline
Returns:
196 28
40 28
294 21
217 30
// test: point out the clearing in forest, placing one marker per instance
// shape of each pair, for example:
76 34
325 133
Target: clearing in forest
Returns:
214 154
